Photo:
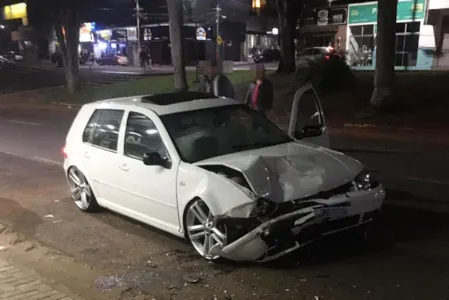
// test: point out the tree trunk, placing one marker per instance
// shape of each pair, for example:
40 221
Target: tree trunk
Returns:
176 21
288 15
67 31
383 96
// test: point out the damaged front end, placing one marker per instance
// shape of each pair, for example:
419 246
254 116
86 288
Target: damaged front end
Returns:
267 230
252 239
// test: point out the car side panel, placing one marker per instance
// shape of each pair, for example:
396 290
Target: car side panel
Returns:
75 147
223 197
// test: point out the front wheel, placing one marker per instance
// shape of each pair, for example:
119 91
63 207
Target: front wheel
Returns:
81 191
203 231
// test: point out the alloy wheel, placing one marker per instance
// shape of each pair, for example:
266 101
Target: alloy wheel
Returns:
81 190
202 230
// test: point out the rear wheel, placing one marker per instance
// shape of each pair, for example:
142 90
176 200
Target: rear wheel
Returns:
203 231
81 191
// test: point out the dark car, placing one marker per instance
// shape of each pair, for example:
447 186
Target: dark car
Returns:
112 60
265 55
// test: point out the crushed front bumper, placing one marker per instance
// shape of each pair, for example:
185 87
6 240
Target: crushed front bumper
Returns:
289 232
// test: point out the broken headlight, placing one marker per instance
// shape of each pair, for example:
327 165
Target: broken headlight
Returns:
264 208
364 181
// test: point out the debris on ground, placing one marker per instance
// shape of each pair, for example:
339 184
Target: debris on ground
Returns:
190 279
49 217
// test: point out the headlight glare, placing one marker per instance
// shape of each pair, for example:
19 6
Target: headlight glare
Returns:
364 181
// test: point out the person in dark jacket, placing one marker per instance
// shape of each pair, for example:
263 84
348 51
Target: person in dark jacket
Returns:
261 93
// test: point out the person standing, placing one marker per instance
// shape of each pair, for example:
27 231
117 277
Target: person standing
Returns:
261 93
143 59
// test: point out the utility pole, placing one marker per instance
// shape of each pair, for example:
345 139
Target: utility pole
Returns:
217 20
138 23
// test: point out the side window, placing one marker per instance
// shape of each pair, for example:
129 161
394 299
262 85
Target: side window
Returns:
142 137
88 133
308 112
107 129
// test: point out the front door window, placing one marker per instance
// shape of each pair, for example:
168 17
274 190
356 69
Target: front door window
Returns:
142 137
308 113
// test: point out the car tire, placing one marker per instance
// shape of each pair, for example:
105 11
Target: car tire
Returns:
81 191
202 224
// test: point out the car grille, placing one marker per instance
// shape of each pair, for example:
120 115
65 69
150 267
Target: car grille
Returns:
316 230
287 207
343 189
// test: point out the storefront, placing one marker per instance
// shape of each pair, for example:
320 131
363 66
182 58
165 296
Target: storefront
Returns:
260 35
323 27
438 31
411 49
15 34
199 42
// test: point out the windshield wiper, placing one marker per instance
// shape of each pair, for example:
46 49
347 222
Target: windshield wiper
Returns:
256 145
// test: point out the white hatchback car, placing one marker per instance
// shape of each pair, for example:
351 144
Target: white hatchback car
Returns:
219 174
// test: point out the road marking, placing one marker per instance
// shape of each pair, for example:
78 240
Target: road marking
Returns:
427 180
47 161
121 72
35 159
24 123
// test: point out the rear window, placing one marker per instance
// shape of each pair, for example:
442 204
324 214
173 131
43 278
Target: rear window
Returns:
103 128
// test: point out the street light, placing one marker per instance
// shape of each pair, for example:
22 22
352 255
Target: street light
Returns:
258 5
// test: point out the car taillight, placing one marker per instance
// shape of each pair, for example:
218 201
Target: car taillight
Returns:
327 57
64 152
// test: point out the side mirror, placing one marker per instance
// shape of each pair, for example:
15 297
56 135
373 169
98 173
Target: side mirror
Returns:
309 131
154 159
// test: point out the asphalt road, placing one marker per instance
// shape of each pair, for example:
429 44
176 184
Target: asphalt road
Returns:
406 257
18 78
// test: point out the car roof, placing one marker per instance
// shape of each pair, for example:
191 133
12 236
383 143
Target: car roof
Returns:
168 103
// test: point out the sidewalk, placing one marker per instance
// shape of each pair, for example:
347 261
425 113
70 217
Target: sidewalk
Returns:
18 284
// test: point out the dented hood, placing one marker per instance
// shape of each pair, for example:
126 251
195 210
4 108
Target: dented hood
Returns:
291 171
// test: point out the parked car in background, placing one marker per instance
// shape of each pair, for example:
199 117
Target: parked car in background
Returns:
13 56
112 60
3 60
308 55
218 173
265 55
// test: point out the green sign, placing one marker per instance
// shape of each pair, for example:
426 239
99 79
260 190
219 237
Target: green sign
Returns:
367 13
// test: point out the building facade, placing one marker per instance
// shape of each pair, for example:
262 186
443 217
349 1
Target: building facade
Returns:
422 33
15 33
437 22
323 27
412 48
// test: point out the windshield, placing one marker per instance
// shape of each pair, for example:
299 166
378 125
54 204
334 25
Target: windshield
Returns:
211 132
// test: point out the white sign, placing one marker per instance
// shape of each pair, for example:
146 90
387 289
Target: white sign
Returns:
147 34
201 34
132 34
438 4
86 32
323 17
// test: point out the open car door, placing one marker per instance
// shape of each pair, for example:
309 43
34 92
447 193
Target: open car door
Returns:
307 121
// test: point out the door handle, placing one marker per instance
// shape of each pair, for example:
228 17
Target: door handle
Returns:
86 154
124 167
